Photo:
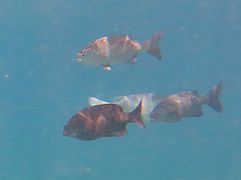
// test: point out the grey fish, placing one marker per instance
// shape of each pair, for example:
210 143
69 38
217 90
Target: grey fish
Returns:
129 102
186 104
122 49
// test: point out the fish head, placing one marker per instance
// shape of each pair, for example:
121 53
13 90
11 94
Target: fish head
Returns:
77 126
70 130
85 54
158 113
166 109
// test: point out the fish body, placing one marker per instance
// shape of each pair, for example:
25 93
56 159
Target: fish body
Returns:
186 104
106 120
129 102
122 49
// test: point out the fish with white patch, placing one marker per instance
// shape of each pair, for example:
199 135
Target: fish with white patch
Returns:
129 103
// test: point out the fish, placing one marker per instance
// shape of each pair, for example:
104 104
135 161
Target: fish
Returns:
186 104
129 102
105 120
119 49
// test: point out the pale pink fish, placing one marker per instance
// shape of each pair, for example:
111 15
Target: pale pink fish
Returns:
120 49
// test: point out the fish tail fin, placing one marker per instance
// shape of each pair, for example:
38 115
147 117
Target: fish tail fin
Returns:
135 116
152 45
92 101
213 97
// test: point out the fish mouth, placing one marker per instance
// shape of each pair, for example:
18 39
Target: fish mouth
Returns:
70 134
66 133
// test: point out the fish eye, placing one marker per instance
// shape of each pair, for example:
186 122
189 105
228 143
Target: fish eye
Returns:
82 54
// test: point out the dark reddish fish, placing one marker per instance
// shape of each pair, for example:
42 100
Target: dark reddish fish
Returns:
106 120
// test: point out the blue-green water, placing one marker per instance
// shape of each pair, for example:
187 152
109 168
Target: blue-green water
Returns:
41 86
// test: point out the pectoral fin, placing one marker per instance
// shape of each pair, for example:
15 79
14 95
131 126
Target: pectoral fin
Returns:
131 61
120 133
197 113
106 67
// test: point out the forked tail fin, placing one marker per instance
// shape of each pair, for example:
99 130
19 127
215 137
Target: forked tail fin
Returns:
135 116
152 45
213 97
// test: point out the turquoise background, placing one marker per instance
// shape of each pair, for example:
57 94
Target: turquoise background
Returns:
41 87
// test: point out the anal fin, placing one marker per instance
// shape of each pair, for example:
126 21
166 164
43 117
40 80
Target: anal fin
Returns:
131 60
122 132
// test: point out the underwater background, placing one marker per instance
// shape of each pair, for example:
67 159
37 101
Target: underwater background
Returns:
42 86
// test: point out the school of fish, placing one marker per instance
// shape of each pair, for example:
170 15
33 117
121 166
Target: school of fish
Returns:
110 118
